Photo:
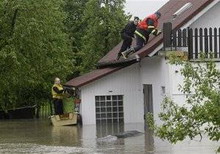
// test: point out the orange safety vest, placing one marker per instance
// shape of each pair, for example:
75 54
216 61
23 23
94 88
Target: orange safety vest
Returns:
143 24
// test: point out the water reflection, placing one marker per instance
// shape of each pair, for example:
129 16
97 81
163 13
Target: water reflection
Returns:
104 129
105 133
66 135
149 141
38 136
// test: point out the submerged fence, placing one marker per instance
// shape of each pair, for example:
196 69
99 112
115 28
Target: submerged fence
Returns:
45 110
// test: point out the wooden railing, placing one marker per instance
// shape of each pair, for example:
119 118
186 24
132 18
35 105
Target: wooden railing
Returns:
204 41
196 41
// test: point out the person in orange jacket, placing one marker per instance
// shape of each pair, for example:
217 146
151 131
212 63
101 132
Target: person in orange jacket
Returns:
144 29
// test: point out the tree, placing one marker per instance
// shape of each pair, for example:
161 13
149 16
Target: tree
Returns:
34 49
200 113
104 20
76 30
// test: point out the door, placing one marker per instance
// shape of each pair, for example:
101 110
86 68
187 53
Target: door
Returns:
148 100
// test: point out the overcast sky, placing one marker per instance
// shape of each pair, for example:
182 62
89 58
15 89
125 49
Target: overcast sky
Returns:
143 8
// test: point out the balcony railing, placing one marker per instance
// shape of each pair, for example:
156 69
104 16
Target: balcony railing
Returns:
196 41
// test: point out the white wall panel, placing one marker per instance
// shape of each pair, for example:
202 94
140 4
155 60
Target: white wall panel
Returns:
210 19
123 82
176 80
154 71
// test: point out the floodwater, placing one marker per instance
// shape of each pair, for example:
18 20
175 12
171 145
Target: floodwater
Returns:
38 136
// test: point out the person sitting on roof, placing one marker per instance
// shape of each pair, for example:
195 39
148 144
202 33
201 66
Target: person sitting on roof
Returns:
126 34
144 29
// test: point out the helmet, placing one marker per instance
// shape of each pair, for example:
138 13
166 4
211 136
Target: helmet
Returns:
158 14
57 80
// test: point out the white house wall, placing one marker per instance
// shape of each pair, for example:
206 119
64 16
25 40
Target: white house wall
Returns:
123 82
154 70
176 81
210 19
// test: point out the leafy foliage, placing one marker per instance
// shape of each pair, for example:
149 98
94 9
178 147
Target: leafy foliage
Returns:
104 20
200 113
76 30
34 49
40 40
94 28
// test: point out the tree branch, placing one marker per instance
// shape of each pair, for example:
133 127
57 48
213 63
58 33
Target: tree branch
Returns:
14 21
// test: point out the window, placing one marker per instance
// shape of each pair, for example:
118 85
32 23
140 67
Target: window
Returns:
109 109
182 9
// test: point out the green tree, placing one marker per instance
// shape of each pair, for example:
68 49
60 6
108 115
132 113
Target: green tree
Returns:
104 20
75 29
200 113
33 50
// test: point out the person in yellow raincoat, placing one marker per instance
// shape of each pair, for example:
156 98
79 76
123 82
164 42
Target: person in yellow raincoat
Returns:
57 94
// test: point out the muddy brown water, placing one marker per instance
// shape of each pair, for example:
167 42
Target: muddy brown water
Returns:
38 136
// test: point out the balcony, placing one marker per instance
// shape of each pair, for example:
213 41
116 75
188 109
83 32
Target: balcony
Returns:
195 42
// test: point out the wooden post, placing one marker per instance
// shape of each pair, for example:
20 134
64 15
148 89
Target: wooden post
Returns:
201 40
184 38
215 43
190 43
219 42
174 42
179 38
167 31
206 42
210 40
196 44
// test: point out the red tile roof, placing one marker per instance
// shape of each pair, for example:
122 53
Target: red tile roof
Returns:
167 12
92 76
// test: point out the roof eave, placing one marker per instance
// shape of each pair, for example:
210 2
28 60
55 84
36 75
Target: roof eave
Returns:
69 83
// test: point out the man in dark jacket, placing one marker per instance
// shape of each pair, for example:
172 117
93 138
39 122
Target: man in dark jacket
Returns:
127 34
144 29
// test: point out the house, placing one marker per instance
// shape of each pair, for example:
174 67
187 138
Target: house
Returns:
124 90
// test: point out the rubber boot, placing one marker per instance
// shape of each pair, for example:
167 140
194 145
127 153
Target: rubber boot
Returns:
127 52
138 58
119 55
